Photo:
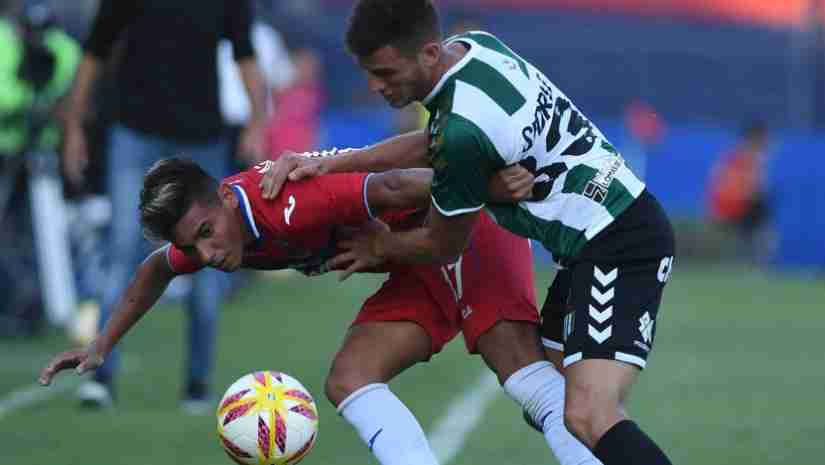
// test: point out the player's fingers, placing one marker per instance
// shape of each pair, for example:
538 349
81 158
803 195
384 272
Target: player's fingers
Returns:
355 267
306 171
58 364
340 260
273 181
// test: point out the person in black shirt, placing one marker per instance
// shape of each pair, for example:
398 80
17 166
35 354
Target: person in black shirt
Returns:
167 104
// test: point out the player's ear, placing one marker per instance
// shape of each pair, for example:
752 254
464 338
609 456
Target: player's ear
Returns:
228 198
430 54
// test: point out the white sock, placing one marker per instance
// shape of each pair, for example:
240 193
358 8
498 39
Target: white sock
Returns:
387 426
539 389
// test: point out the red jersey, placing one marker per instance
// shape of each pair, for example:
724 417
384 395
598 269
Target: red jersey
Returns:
297 229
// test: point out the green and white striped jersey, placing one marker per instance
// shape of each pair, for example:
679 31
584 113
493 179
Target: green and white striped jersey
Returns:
494 109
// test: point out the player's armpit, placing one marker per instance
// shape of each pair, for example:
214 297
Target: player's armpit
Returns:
399 189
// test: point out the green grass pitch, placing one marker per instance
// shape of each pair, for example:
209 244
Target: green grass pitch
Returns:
736 378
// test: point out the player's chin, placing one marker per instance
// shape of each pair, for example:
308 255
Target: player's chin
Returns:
398 103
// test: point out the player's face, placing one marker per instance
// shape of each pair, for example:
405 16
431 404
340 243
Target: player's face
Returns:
400 78
213 233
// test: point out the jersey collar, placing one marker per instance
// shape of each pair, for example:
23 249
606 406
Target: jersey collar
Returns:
455 68
246 208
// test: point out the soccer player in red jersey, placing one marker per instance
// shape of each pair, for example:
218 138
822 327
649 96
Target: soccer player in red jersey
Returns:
419 308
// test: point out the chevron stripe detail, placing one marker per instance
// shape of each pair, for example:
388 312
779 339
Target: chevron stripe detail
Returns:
600 336
602 297
605 279
602 316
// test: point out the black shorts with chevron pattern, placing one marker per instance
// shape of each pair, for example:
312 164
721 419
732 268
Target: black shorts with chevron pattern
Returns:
605 305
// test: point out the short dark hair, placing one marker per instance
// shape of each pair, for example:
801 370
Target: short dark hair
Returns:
170 188
404 24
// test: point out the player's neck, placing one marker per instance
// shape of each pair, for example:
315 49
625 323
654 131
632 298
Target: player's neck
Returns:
451 55
246 233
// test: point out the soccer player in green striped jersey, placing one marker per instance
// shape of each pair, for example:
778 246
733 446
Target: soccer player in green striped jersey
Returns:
490 108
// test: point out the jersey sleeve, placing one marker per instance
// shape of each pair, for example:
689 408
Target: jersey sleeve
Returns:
462 162
179 262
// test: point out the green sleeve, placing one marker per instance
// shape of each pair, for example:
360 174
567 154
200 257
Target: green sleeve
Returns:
463 159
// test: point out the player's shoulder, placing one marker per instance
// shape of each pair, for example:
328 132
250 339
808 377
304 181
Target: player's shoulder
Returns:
246 183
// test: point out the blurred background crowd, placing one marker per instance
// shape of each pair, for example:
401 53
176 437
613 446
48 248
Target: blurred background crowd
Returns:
720 106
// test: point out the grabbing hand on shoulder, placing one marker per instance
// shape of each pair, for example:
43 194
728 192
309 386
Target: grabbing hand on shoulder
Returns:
292 166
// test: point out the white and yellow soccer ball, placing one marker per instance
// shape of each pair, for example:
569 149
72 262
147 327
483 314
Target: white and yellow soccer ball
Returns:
267 418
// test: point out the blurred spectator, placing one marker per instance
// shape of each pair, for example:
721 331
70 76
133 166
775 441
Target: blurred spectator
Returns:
37 62
738 195
643 129
167 87
296 120
276 66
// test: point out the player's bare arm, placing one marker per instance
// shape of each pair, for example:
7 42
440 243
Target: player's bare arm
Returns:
149 283
509 185
442 240
399 189
404 151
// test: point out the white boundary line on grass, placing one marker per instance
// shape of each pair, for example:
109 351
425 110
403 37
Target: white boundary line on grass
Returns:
449 433
34 394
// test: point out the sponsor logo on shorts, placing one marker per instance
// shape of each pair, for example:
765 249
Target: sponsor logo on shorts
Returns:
665 268
646 327
642 346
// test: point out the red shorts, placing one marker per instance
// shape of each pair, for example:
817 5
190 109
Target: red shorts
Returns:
492 282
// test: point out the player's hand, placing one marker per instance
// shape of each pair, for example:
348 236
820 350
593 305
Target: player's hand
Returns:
511 185
251 145
359 251
290 166
75 154
81 360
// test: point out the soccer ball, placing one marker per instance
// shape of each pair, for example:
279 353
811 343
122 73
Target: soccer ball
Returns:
267 418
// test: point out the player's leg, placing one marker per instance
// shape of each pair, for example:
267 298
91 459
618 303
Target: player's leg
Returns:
500 322
513 350
608 335
398 327
130 155
375 352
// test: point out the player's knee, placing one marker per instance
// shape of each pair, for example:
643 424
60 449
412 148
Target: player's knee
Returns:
339 386
589 411
343 379
509 346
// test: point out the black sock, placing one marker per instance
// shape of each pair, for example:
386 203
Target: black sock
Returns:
626 444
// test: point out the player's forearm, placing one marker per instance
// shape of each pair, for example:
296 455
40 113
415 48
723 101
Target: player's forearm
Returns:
255 88
78 99
404 151
143 292
417 246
